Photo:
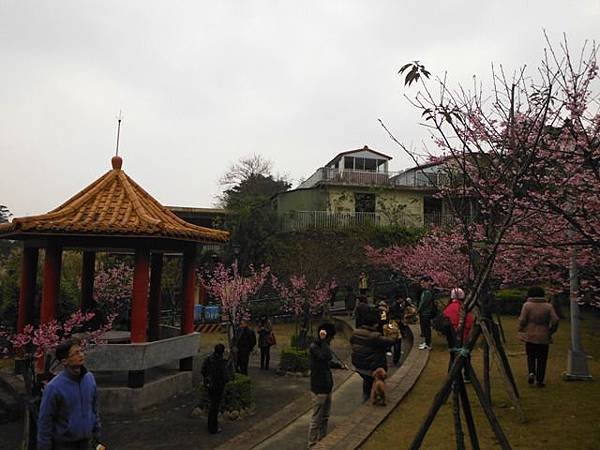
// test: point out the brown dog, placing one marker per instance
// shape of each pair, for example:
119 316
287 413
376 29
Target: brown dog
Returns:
378 389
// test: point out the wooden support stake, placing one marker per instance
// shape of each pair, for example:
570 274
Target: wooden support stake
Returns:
489 413
487 388
510 388
458 432
466 406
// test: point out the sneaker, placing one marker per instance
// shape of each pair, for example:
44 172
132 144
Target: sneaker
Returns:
388 353
422 346
530 378
425 347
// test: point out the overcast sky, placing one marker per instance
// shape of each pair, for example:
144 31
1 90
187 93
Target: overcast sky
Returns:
203 83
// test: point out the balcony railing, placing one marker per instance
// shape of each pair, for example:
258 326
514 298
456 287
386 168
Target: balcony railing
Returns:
368 178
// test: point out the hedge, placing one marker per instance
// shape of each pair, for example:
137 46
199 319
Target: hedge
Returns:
238 395
294 360
509 301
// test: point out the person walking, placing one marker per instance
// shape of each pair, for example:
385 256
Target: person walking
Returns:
397 311
69 417
426 311
321 383
215 373
452 312
266 339
537 322
369 351
363 283
245 343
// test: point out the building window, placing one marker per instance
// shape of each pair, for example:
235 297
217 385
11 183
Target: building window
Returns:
364 203
370 164
349 162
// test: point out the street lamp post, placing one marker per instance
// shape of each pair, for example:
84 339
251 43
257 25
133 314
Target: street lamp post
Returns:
577 368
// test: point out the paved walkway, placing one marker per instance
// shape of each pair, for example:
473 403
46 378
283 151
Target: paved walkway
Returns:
281 420
351 422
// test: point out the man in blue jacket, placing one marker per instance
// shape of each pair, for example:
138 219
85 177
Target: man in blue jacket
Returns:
68 416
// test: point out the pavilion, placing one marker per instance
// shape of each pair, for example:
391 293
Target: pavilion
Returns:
114 213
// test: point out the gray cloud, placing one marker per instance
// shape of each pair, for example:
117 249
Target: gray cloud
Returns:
204 83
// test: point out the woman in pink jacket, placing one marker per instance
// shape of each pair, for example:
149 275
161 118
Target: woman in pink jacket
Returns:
537 322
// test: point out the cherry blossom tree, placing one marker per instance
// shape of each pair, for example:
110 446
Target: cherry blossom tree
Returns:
32 348
233 290
113 290
303 300
521 175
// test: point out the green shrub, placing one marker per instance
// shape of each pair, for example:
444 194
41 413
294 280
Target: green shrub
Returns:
238 395
509 301
295 343
294 360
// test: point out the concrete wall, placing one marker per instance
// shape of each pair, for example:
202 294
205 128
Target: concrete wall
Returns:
341 199
125 400
400 207
125 357
301 200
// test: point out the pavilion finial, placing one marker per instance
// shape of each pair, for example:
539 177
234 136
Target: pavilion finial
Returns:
119 120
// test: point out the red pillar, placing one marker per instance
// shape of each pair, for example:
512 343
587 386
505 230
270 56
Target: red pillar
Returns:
88 268
28 284
139 307
189 288
156 266
51 288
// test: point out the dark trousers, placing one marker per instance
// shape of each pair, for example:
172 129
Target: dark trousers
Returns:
367 386
215 396
451 346
537 357
425 322
265 357
84 444
397 349
242 362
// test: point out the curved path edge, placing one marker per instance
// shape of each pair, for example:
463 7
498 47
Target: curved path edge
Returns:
363 422
276 422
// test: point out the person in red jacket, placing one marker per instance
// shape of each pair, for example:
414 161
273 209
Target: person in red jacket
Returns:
452 312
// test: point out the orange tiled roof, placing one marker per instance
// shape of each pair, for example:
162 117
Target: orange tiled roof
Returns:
114 205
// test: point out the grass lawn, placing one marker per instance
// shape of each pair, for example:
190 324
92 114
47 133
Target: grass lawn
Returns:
563 415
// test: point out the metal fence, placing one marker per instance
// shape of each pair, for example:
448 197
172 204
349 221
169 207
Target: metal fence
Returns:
307 220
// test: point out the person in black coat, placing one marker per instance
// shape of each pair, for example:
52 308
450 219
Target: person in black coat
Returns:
321 382
245 343
368 351
215 373
397 311
362 309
